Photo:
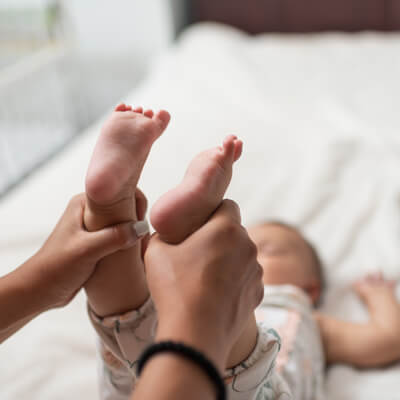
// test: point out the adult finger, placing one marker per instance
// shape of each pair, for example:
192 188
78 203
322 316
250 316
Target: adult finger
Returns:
256 283
118 237
224 223
254 289
76 208
228 210
145 244
141 204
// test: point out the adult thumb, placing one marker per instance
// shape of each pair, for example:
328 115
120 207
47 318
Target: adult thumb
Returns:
117 237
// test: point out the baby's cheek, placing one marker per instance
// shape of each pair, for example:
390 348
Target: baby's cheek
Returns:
281 271
274 272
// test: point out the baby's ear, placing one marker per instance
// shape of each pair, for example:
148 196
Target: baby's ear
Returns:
313 289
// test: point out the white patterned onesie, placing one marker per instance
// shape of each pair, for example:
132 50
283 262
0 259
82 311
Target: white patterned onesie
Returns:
284 309
301 361
124 337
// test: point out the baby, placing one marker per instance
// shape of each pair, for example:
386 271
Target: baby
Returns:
294 286
119 302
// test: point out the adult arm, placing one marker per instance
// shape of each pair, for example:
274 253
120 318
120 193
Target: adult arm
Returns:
20 301
204 290
52 277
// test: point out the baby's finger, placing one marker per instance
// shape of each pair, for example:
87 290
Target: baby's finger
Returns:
377 277
392 284
370 278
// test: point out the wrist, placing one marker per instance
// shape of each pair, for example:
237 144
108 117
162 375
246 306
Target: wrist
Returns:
197 335
190 354
179 378
34 284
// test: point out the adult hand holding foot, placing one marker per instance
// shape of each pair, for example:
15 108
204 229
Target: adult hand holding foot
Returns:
53 276
204 290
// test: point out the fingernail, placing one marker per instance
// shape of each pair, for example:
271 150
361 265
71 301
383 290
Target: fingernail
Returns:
141 228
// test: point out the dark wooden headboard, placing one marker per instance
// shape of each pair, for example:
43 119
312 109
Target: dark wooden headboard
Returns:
299 16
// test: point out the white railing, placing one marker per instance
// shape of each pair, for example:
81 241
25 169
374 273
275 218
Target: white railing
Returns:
51 91
36 112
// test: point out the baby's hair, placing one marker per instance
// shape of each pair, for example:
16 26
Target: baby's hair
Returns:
316 265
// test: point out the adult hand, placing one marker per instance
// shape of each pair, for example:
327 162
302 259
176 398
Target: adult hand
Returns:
205 288
53 276
69 256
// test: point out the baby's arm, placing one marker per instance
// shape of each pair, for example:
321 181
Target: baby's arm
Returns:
372 344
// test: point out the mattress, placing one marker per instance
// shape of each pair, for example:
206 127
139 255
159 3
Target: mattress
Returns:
320 123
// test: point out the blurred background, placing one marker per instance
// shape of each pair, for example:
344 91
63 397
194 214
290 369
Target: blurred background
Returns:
316 108
63 63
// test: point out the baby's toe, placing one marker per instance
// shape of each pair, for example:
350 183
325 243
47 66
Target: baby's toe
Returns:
228 147
162 117
232 148
120 107
238 149
149 113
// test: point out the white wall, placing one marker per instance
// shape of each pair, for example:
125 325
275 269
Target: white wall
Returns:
107 28
22 3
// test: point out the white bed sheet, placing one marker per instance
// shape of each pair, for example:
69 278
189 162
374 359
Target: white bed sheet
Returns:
320 123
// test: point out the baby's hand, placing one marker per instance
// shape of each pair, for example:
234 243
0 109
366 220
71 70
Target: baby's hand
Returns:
374 285
69 256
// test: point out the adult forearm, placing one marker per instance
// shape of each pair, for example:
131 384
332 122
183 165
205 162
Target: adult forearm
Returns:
5 334
20 299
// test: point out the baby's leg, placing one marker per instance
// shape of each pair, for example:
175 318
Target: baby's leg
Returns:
185 208
119 284
366 345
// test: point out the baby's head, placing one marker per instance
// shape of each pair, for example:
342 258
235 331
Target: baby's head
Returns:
288 258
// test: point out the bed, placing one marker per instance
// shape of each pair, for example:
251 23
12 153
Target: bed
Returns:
321 130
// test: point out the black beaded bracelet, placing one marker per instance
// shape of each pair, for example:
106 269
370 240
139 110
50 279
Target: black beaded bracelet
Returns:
188 353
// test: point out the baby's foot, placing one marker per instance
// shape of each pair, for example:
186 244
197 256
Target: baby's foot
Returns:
111 182
118 159
182 210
